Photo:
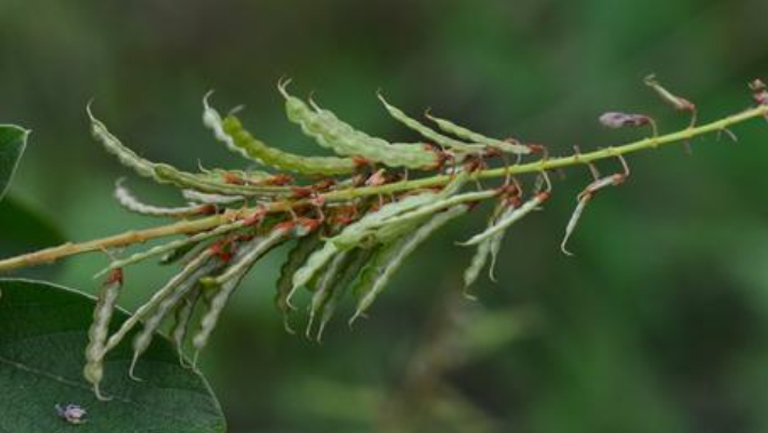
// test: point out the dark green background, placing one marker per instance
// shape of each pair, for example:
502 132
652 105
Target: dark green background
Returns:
659 324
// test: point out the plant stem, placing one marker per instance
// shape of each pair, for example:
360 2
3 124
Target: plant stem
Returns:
192 226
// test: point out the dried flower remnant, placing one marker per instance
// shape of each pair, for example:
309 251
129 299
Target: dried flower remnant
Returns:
759 93
677 102
618 120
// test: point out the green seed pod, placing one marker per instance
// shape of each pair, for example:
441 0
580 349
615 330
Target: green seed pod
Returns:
198 267
326 285
182 317
296 258
127 200
330 132
395 256
226 283
96 349
507 219
428 132
155 317
358 259
230 131
214 199
485 250
466 134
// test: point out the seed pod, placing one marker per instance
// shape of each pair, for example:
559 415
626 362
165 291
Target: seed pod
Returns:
230 132
127 200
214 199
508 218
395 257
193 271
296 258
97 334
326 285
180 253
427 132
488 248
173 245
111 143
330 132
182 317
507 146
155 317
226 283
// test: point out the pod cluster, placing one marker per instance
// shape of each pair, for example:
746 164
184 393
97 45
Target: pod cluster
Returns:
352 220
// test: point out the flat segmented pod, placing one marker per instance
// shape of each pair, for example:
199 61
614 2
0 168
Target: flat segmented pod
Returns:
426 131
508 218
296 258
165 173
230 131
112 144
396 256
129 201
154 318
182 317
316 261
330 132
214 199
198 267
325 287
97 334
475 137
173 245
357 260
226 283
485 250
437 206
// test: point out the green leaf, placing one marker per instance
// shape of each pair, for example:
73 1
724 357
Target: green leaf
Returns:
13 141
24 229
43 333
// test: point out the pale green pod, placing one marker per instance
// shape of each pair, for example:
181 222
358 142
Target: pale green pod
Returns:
127 200
330 132
437 206
296 258
230 131
226 283
475 137
358 259
326 285
485 250
496 242
182 317
173 245
426 131
192 271
96 349
505 221
214 199
154 318
395 257
312 266
112 144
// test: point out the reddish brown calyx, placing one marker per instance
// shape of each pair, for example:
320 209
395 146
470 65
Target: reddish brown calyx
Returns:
116 276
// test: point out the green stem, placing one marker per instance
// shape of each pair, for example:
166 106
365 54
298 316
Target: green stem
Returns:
185 227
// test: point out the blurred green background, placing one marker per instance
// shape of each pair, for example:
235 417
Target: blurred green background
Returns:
660 322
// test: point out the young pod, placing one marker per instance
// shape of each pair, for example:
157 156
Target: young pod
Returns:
96 350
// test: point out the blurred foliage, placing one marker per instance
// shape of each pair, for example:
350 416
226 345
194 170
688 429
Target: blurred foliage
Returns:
658 324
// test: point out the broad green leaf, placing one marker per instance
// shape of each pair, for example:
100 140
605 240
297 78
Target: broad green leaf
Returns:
13 141
43 332
23 229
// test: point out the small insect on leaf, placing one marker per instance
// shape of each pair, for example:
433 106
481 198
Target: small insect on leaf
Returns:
72 413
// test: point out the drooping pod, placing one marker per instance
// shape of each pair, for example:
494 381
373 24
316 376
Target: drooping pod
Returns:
395 257
325 287
182 316
167 174
129 201
488 249
507 146
586 195
225 284
192 271
511 216
174 245
96 350
155 317
296 258
230 131
330 132
429 133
